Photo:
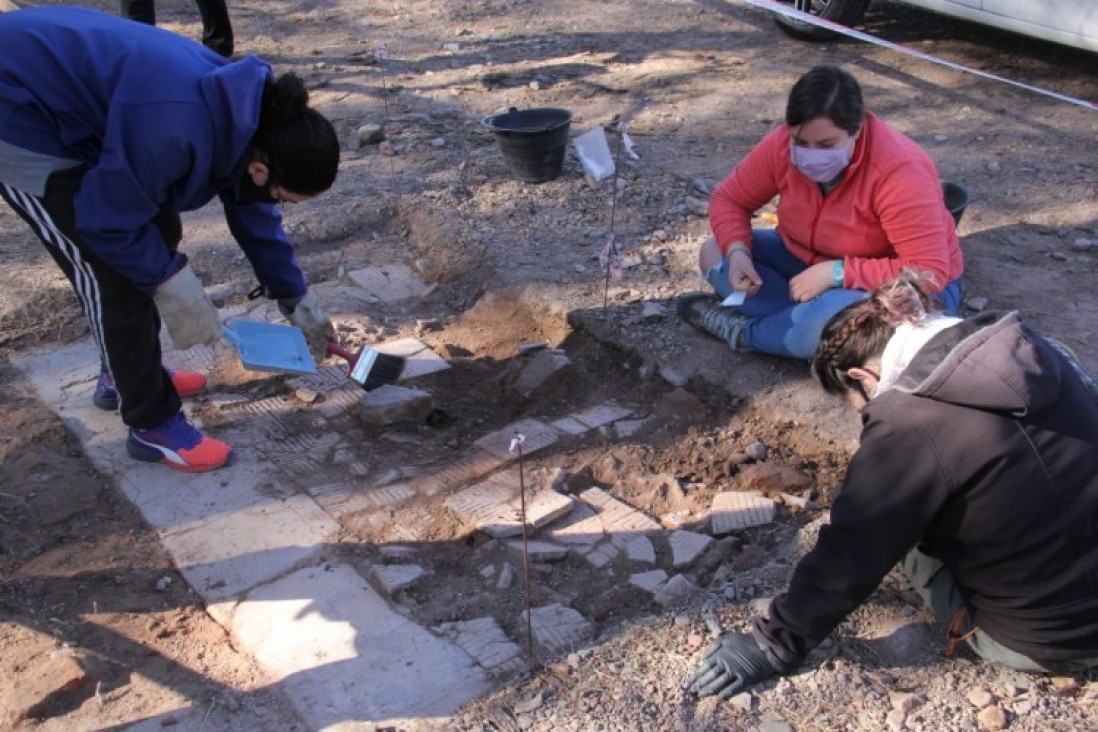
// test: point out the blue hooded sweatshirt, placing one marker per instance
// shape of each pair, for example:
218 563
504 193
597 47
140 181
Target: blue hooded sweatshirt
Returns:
160 121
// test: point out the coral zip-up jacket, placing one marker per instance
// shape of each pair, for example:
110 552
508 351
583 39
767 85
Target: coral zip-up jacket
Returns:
885 214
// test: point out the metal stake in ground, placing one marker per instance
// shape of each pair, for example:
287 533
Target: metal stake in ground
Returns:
610 258
516 447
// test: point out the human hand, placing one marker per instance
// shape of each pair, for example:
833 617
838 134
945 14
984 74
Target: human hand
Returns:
812 282
731 663
305 312
741 272
186 310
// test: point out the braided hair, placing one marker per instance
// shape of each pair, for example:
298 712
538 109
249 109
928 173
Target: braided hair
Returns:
860 331
298 144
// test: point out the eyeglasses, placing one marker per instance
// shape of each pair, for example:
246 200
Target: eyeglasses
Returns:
275 191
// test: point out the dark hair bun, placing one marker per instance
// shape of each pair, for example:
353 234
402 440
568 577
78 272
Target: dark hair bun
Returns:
287 97
299 146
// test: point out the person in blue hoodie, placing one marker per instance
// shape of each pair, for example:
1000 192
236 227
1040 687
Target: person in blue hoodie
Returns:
108 130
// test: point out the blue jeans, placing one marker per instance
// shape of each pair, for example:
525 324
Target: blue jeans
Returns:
777 324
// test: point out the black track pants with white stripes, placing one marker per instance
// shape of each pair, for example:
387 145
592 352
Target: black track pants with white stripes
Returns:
123 320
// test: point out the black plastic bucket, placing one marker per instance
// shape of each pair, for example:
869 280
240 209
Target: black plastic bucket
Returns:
533 141
957 199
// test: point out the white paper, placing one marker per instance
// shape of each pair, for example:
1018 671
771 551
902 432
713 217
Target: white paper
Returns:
630 148
736 298
594 152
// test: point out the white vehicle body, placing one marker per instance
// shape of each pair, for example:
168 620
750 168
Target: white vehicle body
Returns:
1070 22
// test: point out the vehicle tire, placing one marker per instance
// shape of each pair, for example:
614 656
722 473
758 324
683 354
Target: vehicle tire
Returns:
845 12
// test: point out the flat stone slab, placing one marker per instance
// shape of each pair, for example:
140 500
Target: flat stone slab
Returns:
506 576
538 436
649 581
388 282
602 554
687 546
626 428
392 404
603 414
475 464
617 517
225 555
570 426
495 505
344 656
396 577
546 506
485 641
539 551
420 360
582 527
640 549
676 591
732 511
543 369
329 377
487 506
345 499
556 628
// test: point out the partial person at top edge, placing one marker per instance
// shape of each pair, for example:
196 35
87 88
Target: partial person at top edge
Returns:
858 202
217 29
110 129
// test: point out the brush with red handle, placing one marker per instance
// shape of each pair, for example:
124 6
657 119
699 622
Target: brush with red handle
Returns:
369 368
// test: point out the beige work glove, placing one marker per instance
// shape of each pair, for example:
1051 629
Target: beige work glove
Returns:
186 311
305 312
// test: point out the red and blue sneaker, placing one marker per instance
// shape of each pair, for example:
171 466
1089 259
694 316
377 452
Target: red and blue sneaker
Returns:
177 444
187 384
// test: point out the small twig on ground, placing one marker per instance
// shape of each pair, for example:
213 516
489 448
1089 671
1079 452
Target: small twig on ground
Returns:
213 703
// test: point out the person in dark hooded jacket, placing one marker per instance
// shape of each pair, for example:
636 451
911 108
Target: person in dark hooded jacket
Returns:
108 130
977 472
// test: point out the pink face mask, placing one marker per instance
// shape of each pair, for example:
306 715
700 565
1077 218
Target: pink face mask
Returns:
821 164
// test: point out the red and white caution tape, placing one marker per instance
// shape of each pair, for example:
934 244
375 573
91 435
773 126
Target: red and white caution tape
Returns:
789 12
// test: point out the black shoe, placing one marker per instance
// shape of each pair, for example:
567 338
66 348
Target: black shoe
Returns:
705 314
692 307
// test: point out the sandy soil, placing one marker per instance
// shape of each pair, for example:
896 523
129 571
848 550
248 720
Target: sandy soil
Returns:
513 264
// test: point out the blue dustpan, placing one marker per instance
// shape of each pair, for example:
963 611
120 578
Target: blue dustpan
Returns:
270 347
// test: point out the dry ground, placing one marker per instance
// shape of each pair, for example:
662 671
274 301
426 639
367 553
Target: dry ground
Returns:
699 82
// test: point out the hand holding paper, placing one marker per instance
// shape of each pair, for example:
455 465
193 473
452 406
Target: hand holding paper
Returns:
735 299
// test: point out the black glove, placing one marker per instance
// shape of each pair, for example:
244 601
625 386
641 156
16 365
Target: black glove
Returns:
731 663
